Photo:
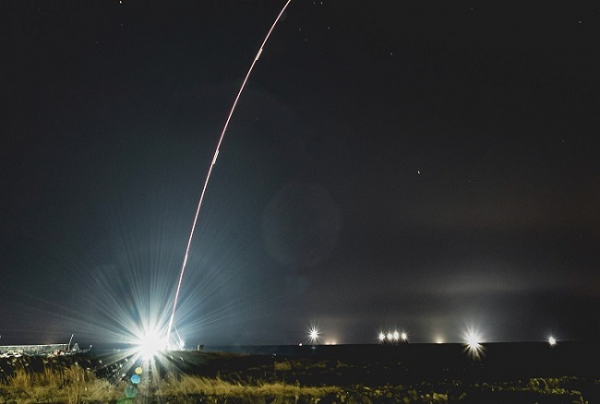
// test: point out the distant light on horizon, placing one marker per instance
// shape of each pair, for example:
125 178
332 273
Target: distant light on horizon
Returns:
393 337
552 341
313 335
473 339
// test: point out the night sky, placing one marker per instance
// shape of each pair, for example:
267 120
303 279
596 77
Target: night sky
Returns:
421 165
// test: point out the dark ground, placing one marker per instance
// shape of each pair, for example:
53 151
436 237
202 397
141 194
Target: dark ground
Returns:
507 373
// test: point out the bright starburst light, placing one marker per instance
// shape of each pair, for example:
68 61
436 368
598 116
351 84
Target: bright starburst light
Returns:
146 323
313 335
381 337
127 307
151 344
130 301
552 341
473 339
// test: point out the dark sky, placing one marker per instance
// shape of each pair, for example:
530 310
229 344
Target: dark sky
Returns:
427 166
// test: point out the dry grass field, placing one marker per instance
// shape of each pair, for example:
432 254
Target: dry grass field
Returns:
78 385
392 376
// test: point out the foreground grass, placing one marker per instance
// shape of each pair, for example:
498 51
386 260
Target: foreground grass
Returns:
68 385
54 382
78 385
190 385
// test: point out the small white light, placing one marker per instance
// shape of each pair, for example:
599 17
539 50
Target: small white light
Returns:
396 335
552 341
381 337
404 336
313 335
390 336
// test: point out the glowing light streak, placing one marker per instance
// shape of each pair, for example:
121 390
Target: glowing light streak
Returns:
180 341
214 160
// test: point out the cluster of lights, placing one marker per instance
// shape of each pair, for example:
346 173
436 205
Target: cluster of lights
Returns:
472 340
393 337
151 345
